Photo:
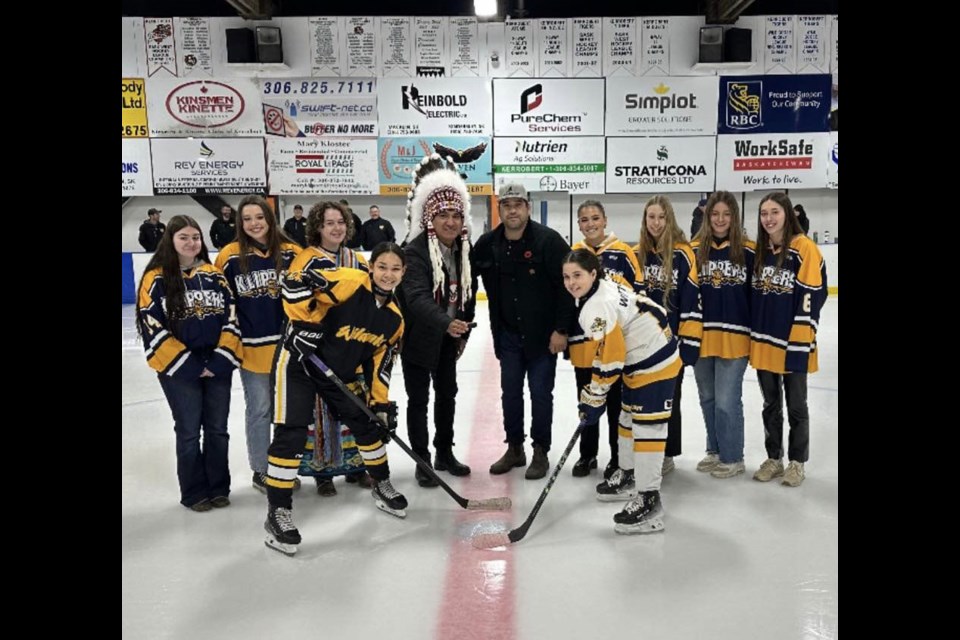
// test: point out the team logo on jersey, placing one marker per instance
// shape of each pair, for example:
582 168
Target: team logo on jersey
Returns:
200 304
724 272
599 325
359 334
775 280
258 284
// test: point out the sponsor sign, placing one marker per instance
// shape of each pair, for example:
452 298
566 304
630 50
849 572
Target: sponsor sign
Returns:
136 176
208 166
661 165
434 106
538 107
550 164
399 157
772 161
220 108
319 166
782 104
652 106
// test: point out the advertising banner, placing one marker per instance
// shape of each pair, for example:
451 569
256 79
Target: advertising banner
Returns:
399 157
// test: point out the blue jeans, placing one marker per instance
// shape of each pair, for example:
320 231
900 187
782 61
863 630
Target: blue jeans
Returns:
258 396
540 373
720 384
201 403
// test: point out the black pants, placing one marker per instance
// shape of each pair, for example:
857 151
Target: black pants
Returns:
590 436
294 402
416 379
676 421
774 386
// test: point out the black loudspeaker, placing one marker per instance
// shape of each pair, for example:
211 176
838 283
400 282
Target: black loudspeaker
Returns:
737 45
240 46
269 44
711 44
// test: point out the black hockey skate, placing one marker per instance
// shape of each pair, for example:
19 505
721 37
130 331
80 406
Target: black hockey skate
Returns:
282 534
389 499
619 487
643 515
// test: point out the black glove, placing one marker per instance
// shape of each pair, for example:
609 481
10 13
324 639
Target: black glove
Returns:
303 338
386 413
315 280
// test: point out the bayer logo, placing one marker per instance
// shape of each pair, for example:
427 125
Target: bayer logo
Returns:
547 183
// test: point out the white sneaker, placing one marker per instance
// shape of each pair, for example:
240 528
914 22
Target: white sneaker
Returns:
724 470
668 466
794 475
709 463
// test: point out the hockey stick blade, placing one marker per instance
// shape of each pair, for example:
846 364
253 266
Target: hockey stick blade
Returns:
490 504
491 540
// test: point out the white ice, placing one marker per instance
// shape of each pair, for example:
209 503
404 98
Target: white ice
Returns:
739 559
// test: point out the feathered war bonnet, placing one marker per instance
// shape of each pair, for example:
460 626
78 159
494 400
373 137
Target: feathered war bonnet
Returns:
436 186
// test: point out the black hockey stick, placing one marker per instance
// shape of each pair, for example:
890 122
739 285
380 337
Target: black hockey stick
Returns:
490 504
491 540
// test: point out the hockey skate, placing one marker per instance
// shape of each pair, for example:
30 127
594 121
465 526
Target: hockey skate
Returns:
389 499
643 515
618 488
282 534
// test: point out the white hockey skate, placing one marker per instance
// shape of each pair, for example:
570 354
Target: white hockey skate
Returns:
643 515
282 534
389 499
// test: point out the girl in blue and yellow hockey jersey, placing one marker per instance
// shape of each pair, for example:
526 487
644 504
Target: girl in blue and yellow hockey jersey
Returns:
789 289
253 265
348 318
670 278
186 320
633 343
725 260
620 265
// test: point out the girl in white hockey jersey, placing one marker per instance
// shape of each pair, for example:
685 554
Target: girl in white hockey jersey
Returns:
636 344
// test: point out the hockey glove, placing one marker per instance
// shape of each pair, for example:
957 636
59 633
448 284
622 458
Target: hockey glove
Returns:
591 407
386 413
303 338
314 279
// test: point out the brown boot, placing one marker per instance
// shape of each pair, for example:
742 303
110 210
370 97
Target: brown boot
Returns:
539 465
514 457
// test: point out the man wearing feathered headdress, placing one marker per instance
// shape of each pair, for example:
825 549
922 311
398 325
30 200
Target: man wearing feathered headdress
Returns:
438 299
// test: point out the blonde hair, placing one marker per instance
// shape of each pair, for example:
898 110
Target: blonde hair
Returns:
672 235
736 236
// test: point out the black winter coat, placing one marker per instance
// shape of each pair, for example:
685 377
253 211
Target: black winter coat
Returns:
426 320
544 303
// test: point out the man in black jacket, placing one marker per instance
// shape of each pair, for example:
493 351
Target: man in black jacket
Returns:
438 300
530 310
296 227
151 231
376 230
223 231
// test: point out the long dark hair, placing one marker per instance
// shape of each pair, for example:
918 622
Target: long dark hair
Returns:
275 237
791 228
168 260
586 259
735 236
